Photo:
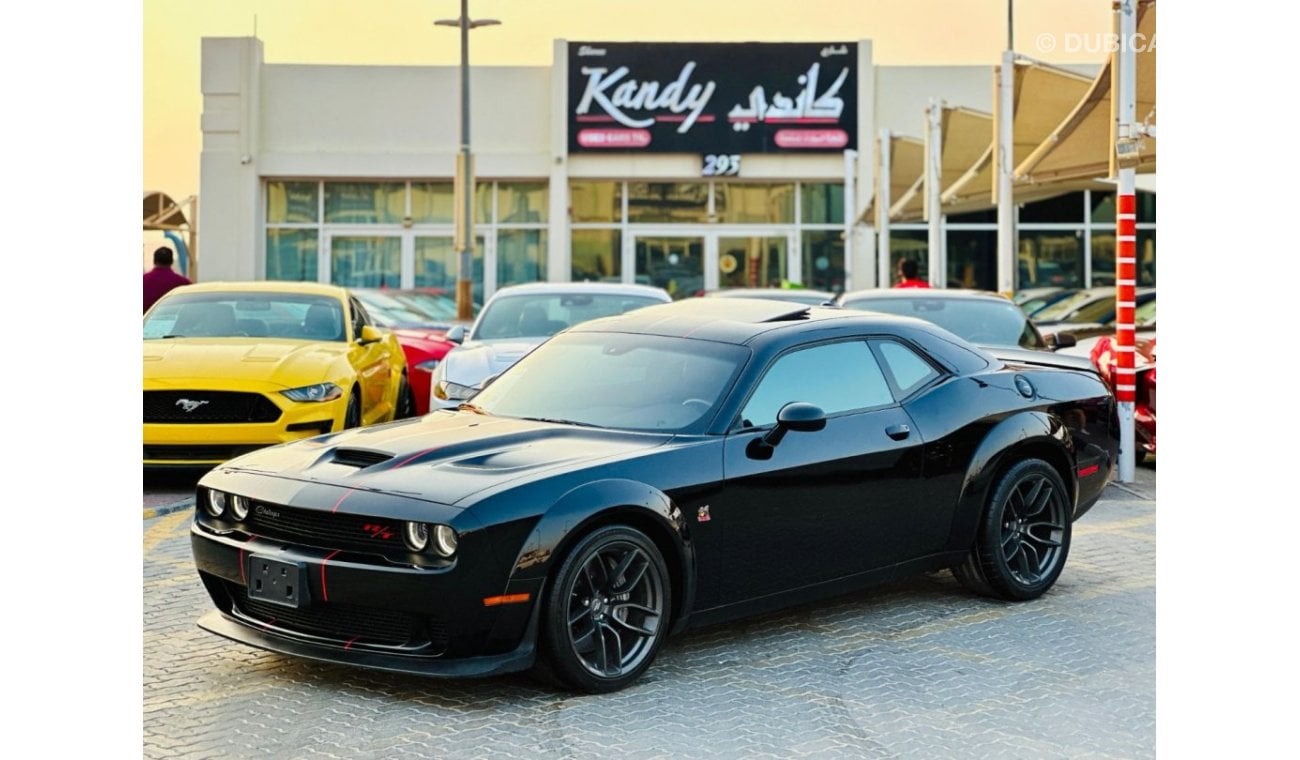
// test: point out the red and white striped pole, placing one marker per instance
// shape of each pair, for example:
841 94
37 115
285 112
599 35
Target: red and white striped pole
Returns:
1125 90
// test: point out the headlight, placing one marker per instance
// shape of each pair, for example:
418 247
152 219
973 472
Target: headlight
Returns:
417 536
317 392
449 391
216 503
428 366
444 540
238 507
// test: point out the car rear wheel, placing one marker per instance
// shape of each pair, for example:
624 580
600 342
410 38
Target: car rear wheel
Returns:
1023 537
607 610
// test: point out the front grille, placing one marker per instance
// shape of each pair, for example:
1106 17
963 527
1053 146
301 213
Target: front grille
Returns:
326 530
345 623
195 453
208 407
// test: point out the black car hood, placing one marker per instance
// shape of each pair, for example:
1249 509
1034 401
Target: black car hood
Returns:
445 457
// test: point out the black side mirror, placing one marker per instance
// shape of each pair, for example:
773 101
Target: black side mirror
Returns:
1062 340
456 334
799 416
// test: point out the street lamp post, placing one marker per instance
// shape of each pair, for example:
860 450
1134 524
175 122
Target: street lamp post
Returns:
465 171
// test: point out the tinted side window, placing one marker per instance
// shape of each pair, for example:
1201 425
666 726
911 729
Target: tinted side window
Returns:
909 369
838 377
359 318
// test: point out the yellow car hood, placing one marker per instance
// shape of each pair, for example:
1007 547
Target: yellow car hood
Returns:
289 363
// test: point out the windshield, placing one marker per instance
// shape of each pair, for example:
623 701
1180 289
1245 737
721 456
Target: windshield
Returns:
241 315
1063 307
440 307
987 323
390 312
617 380
541 315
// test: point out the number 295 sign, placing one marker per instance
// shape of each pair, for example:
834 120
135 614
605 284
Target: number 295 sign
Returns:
721 165
718 100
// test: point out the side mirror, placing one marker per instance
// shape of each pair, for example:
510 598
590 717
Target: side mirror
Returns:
456 334
369 334
799 416
1062 340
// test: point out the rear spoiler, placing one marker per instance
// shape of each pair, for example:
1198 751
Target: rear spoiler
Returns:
1041 358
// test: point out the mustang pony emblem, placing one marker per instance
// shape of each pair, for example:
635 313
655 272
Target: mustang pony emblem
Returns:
188 405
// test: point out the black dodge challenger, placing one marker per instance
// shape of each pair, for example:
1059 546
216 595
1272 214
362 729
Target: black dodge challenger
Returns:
675 466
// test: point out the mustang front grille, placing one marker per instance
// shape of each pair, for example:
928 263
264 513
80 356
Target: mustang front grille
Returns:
346 624
195 453
208 407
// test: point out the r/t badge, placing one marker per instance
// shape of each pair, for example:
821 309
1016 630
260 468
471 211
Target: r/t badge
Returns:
703 514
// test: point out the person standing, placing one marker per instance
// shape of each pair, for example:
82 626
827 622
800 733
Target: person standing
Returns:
907 275
159 280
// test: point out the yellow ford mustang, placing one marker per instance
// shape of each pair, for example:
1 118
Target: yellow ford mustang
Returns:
231 367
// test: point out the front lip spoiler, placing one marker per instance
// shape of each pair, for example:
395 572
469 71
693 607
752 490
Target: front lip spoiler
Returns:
522 658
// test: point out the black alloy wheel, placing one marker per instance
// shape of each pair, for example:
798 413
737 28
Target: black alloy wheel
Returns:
405 400
607 611
1024 535
352 417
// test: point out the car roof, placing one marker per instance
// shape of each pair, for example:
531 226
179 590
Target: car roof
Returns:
612 288
265 286
928 293
731 320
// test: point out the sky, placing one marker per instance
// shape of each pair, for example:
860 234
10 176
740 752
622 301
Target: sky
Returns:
401 32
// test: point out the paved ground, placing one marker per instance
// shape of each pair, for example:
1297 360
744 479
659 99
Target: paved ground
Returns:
919 669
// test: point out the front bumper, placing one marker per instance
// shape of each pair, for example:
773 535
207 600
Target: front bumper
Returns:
362 610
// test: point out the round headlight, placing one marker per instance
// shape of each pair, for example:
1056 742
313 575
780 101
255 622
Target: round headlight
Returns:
417 536
238 507
216 503
444 540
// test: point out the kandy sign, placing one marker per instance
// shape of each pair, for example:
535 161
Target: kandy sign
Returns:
716 98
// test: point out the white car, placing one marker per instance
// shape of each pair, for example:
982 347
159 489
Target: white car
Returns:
518 319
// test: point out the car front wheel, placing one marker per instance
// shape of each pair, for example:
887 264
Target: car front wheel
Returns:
607 610
1023 537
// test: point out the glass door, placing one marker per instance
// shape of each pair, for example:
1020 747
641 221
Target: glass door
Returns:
672 262
363 260
753 262
435 265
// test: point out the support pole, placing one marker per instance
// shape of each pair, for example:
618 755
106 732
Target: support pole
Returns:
933 207
1006 157
1125 89
465 181
850 215
883 173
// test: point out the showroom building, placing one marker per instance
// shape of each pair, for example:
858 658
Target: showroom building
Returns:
691 166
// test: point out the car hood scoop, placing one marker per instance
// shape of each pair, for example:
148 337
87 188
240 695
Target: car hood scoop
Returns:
445 457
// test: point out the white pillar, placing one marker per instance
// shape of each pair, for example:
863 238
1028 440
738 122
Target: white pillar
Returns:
933 207
884 149
850 213
1005 165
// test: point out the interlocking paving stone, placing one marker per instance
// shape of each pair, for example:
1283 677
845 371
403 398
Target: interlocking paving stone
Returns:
915 669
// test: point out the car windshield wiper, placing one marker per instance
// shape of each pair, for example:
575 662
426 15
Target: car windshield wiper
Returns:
558 421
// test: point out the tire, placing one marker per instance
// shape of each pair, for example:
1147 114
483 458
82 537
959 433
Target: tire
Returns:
352 417
606 613
405 406
1023 536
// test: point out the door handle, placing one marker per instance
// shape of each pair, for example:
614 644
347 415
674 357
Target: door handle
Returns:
898 432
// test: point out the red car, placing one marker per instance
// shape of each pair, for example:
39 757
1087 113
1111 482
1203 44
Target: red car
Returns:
1144 410
418 332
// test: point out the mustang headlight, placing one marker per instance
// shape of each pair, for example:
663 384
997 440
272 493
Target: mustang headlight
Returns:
417 536
449 391
215 504
238 507
317 392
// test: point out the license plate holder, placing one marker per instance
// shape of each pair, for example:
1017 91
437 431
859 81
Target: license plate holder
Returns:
277 582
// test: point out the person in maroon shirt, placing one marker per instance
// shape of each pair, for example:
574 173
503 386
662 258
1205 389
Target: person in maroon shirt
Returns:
161 278
907 275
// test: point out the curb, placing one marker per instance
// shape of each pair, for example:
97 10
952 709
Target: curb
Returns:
166 509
